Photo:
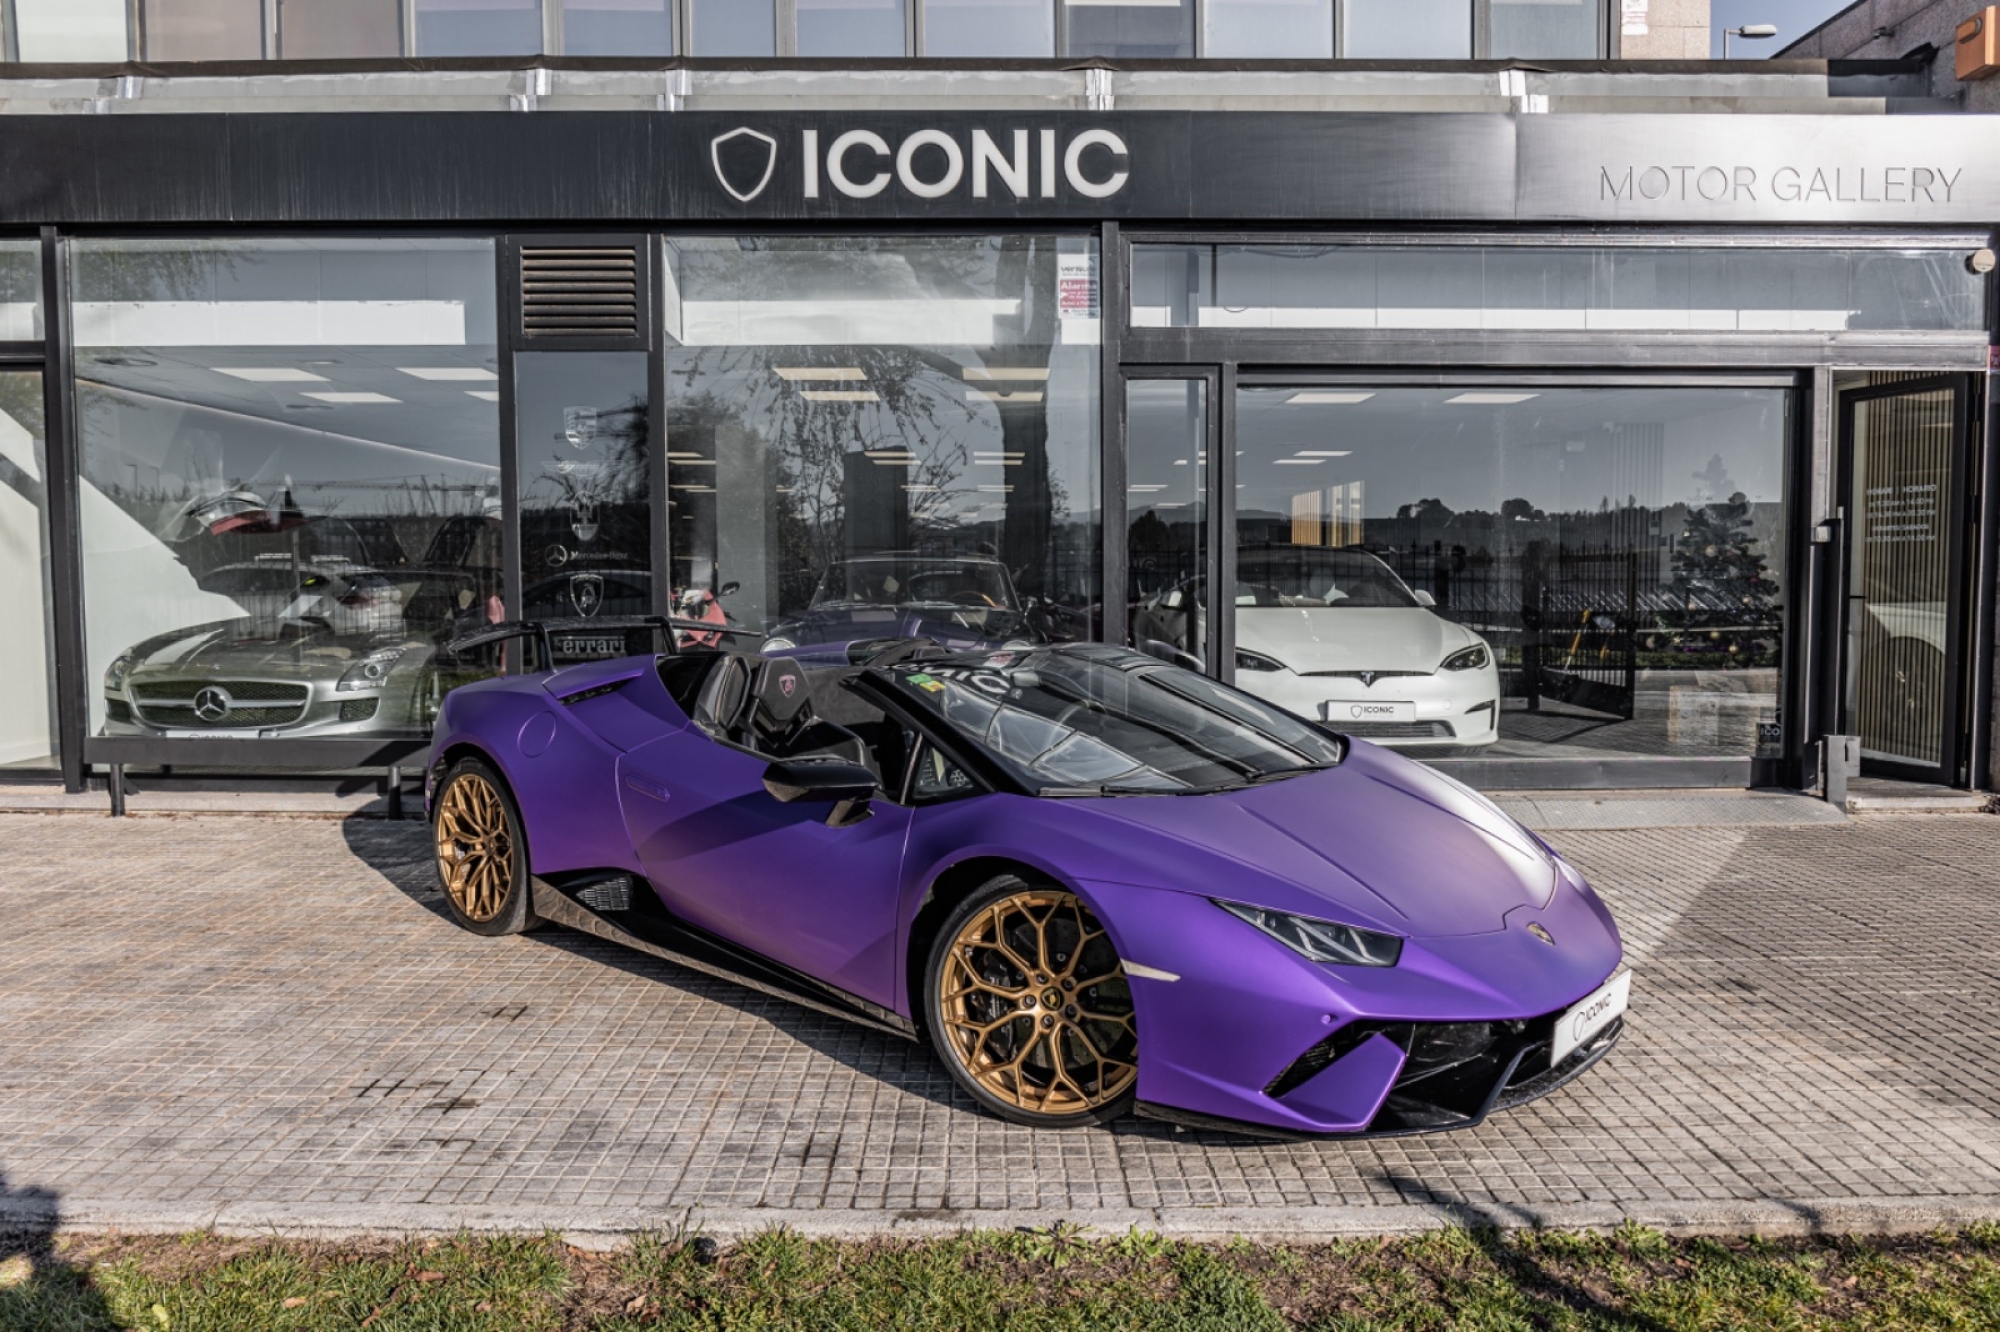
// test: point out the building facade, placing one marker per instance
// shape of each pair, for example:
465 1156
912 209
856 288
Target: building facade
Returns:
1588 424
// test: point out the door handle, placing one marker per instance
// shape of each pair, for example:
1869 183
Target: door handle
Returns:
646 788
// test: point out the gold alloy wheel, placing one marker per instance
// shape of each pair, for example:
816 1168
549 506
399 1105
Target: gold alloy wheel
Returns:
1036 1008
475 849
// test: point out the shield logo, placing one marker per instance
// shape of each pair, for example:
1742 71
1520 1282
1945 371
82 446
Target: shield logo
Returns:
212 704
586 593
580 426
583 521
743 161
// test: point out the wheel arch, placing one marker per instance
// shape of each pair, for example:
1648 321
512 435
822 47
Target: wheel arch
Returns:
947 888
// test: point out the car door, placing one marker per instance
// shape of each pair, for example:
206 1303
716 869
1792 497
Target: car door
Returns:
728 857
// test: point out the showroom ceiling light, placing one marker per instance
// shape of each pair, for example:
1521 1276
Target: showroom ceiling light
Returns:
680 455
270 374
1297 462
982 459
979 374
484 395
1482 399
919 487
840 395
449 374
819 374
1145 490
1324 453
353 398
1003 395
1327 397
996 490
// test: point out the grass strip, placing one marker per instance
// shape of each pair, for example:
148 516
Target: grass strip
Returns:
1060 1280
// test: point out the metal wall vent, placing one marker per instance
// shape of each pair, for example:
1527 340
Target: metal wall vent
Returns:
575 291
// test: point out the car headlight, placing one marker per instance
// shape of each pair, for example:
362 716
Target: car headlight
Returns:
115 673
1257 661
779 644
1468 659
1321 940
371 670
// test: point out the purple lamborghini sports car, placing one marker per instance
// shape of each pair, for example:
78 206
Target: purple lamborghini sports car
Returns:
1095 882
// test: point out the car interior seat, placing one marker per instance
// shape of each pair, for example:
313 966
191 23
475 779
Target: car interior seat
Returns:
724 695
779 719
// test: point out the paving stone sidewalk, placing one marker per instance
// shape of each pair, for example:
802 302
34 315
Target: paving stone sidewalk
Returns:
254 1023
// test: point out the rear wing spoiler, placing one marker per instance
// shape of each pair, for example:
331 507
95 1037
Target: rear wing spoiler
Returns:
542 631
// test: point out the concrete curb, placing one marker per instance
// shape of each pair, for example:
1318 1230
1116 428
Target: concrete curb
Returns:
600 1229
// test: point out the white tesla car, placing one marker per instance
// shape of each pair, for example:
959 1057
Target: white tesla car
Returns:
1335 635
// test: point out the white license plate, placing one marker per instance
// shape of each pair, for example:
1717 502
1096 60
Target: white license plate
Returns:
1374 710
1590 1015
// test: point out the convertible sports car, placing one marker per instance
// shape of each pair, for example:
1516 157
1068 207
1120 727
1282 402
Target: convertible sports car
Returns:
962 601
1093 881
1336 635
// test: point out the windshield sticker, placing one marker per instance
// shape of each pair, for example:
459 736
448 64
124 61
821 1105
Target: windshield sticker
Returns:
926 683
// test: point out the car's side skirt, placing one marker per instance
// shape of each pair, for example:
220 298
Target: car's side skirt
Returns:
659 935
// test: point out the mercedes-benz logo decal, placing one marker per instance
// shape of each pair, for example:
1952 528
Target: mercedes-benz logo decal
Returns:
743 161
212 704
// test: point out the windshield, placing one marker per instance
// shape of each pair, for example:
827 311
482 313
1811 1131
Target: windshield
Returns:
909 580
1314 578
1090 720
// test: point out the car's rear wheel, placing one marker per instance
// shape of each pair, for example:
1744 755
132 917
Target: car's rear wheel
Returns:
1029 1006
482 858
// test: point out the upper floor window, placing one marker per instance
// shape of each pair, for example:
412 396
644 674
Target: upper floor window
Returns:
174 30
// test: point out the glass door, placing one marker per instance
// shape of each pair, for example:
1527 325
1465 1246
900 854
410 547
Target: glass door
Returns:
1170 546
27 703
1903 480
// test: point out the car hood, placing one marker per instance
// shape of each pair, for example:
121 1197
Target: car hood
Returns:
1379 842
272 648
1333 639
846 623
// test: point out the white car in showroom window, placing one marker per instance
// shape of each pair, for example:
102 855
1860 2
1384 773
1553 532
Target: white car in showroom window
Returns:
1335 635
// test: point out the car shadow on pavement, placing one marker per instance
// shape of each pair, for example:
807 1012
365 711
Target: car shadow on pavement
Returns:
400 853
37 1287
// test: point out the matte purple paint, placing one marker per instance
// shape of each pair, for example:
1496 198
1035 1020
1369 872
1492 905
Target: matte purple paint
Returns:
1379 842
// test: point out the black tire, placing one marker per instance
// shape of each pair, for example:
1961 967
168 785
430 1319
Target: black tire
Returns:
481 850
1053 1044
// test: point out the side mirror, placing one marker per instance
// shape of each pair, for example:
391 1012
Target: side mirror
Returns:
848 787
1424 599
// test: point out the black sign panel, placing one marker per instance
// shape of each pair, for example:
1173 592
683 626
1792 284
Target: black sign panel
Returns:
578 166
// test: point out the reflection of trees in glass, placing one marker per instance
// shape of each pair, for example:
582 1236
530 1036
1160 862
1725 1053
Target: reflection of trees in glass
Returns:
594 496
928 401
1724 601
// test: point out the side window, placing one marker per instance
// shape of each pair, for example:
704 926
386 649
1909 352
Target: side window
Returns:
935 778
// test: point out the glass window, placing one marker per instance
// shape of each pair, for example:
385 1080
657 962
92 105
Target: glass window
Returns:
1546 29
586 517
1268 29
478 27
27 652
61 30
852 28
1129 29
1525 287
617 27
339 29
1406 29
732 28
290 499
989 28
204 29
1516 571
874 437
1166 506
20 290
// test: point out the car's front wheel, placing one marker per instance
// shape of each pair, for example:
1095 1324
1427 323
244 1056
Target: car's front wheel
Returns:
482 858
1029 1006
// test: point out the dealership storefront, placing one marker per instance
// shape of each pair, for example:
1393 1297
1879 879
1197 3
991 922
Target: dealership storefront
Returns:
1561 450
